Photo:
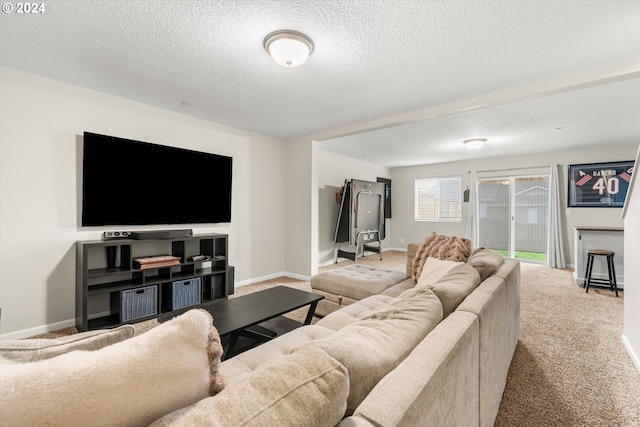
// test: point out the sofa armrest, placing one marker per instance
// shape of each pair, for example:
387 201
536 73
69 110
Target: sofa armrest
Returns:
31 350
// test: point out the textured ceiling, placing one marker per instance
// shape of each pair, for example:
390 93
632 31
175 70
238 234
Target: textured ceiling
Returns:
372 60
600 115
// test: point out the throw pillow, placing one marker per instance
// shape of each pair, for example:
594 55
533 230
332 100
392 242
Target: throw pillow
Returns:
307 387
30 350
412 249
434 269
133 382
455 286
485 261
452 248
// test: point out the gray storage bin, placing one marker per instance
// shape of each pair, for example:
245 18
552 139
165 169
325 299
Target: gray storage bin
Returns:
184 293
139 302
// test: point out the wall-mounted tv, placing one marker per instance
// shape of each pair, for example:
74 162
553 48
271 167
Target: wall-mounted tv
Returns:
127 182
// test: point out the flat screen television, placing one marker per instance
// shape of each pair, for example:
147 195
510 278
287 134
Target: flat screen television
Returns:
127 182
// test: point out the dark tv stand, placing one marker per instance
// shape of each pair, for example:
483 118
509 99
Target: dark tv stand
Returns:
110 291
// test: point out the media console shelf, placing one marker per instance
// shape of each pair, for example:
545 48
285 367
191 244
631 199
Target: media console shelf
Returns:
110 291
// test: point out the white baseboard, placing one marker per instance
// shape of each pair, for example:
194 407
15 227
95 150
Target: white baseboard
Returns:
272 276
297 276
634 357
37 330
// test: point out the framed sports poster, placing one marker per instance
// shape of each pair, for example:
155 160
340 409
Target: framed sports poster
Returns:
599 185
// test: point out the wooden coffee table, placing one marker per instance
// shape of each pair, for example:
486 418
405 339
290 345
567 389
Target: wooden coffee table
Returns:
248 316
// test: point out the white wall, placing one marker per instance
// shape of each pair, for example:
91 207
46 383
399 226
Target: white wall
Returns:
41 124
300 207
281 222
403 196
333 169
631 334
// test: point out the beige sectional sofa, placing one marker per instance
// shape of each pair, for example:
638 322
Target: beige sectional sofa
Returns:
406 364
431 353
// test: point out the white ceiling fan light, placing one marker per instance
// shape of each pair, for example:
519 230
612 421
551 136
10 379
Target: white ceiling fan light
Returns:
288 48
475 143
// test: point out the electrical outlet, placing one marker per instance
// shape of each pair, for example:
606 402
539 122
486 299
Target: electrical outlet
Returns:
567 212
402 241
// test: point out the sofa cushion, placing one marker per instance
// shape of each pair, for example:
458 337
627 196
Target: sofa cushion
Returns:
30 350
306 388
452 248
454 286
485 261
237 368
397 290
436 385
354 312
133 382
373 346
434 269
356 281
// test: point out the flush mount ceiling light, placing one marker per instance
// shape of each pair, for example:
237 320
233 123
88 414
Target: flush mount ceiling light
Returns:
288 48
475 143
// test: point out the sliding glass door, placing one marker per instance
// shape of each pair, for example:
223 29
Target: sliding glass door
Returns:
513 216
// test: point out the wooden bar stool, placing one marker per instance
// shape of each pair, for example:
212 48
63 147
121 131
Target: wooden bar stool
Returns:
591 253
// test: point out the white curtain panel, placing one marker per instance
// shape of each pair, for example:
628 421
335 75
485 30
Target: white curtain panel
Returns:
471 231
555 249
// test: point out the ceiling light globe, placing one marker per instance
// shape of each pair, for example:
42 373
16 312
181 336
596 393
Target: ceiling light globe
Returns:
288 48
474 144
288 53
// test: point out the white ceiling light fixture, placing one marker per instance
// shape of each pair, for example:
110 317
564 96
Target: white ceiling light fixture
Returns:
474 144
288 48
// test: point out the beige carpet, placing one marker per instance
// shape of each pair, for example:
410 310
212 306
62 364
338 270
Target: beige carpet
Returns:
570 367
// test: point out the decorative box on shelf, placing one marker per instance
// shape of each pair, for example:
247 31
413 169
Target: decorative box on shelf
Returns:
155 262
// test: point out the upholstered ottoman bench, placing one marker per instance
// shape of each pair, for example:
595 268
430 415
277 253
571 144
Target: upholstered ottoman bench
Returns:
346 285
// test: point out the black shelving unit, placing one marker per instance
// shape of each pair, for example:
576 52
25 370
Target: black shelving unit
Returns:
111 292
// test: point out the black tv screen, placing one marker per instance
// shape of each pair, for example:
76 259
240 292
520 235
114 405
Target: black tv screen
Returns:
126 182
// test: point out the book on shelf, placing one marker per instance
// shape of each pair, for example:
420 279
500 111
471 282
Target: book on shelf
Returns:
155 261
158 264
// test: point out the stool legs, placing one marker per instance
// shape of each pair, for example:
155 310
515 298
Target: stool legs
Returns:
611 271
612 274
587 274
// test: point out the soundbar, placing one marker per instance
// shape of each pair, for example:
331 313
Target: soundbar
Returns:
161 234
113 235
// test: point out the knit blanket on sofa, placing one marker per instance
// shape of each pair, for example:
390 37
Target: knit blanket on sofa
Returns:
451 248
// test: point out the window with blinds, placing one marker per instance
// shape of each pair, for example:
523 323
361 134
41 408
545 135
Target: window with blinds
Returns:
438 199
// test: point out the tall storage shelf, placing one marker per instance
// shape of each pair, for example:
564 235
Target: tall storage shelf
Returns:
111 291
